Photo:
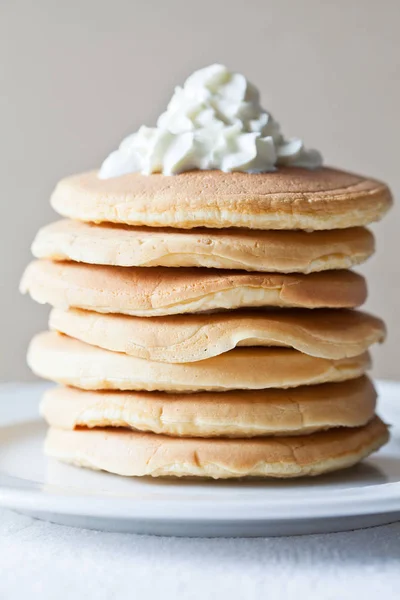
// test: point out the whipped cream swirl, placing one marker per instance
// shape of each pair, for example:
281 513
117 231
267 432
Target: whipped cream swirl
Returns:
215 121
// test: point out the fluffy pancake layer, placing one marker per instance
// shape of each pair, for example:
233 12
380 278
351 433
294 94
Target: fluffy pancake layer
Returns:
189 338
130 453
265 251
299 411
289 198
65 360
167 291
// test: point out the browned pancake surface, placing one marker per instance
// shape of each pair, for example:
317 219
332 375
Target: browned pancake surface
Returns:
162 291
289 198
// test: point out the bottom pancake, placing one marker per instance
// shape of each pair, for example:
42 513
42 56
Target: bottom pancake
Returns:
130 453
216 414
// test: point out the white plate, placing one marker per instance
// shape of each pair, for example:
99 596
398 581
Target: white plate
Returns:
366 495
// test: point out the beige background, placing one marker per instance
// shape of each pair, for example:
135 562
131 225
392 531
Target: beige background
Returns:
77 76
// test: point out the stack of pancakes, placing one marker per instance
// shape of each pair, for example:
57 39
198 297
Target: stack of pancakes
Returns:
204 324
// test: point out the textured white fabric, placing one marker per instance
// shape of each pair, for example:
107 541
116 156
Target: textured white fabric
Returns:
42 560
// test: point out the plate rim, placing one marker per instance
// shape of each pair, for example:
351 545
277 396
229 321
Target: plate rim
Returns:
123 508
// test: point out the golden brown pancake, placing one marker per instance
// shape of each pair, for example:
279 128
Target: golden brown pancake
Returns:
240 414
289 198
130 453
188 338
163 291
265 251
65 360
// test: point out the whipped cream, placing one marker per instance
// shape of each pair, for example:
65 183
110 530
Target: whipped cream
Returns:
215 121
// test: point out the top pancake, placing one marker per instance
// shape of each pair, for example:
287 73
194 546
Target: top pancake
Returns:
289 198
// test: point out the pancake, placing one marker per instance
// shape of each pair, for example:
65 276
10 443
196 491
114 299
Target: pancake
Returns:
69 361
301 411
288 198
265 251
130 453
189 338
167 291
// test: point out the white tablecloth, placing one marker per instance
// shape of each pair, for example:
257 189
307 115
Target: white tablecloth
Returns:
42 560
